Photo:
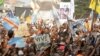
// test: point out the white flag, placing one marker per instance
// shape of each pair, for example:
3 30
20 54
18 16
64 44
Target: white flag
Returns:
72 5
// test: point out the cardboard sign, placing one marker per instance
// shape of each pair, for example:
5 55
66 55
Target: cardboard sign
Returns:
42 41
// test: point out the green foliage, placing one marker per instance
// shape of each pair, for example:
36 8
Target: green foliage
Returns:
81 7
1 2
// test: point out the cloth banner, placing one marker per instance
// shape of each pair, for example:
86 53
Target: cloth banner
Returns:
9 23
95 5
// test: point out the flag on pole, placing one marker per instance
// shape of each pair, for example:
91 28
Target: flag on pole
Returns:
92 4
9 24
98 7
72 6
91 19
95 5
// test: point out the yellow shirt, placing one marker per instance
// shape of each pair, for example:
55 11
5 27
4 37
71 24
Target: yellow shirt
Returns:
87 26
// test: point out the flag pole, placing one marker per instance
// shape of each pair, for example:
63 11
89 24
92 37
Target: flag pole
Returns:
92 27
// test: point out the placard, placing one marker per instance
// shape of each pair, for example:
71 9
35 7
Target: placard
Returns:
42 41
65 10
78 25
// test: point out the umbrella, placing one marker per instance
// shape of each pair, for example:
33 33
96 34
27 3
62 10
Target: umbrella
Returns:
18 41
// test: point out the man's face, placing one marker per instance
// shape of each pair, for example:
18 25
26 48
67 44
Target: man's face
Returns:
46 30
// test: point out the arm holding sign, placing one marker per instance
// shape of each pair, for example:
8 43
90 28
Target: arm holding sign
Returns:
10 35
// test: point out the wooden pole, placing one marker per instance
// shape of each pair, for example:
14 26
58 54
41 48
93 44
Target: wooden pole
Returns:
94 14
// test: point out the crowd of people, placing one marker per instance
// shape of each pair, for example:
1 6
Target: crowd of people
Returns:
84 43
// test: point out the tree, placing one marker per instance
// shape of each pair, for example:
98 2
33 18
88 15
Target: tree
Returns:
81 8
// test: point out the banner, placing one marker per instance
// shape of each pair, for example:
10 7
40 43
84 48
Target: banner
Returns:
98 7
42 41
72 2
66 11
72 6
9 23
92 4
95 5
